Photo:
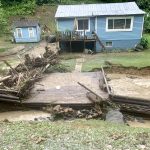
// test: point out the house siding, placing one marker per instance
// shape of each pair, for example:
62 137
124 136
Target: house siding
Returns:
25 35
122 40
65 24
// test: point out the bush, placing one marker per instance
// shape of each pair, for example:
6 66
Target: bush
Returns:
147 24
3 21
144 42
25 8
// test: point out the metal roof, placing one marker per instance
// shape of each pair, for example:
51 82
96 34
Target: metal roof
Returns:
109 9
25 23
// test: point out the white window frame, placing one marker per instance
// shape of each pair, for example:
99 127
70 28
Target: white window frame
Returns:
32 32
18 32
115 30
88 24
108 46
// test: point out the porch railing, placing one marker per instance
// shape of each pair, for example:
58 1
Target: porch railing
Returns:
74 35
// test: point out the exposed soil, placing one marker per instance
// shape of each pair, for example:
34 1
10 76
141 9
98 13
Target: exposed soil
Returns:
145 71
130 85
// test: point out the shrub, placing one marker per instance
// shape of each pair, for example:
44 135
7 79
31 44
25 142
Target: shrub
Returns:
144 42
3 22
147 24
24 8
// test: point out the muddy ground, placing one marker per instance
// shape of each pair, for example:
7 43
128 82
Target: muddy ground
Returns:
130 85
145 71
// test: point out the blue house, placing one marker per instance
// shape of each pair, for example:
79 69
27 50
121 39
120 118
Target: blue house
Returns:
99 26
26 31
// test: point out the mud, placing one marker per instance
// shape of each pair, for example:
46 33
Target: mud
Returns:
145 124
144 71
130 85
23 115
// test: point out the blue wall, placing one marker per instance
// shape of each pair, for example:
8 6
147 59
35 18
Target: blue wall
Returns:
122 40
25 35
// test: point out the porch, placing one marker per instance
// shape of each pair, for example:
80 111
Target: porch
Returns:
76 41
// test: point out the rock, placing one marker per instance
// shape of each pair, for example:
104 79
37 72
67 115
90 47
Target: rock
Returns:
57 108
115 116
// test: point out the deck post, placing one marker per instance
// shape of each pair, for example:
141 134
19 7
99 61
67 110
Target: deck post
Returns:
84 40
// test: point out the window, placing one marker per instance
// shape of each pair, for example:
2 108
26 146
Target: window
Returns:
19 32
119 24
108 44
83 24
31 32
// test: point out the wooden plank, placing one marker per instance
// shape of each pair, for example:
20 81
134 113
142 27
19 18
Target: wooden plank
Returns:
9 97
102 98
101 44
105 80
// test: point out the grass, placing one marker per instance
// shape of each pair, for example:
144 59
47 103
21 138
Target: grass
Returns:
128 59
74 135
3 50
69 64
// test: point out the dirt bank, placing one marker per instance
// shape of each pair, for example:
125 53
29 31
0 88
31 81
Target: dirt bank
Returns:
144 71
130 85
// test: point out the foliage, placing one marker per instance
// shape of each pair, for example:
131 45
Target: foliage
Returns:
147 24
41 2
3 21
144 4
144 42
25 8
52 2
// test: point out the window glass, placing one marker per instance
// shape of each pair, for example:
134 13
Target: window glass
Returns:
83 24
128 23
108 44
19 34
110 24
31 32
119 23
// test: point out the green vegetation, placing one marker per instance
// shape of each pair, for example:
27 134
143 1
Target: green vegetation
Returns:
3 49
74 135
21 9
136 59
69 64
3 21
144 42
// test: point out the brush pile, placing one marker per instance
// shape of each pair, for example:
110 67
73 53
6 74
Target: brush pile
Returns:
59 112
19 81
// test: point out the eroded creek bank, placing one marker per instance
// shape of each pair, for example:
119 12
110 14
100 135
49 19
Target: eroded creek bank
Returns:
124 84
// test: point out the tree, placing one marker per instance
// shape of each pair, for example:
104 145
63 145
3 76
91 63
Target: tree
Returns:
3 22
144 4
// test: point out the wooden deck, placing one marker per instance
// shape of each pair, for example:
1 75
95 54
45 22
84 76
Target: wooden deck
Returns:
62 88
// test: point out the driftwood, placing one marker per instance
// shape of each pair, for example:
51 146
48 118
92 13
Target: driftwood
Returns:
19 81
9 97
5 78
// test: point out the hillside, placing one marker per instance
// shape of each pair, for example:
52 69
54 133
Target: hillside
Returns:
45 14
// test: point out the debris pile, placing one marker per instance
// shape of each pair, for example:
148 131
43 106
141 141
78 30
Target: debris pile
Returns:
60 112
19 81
